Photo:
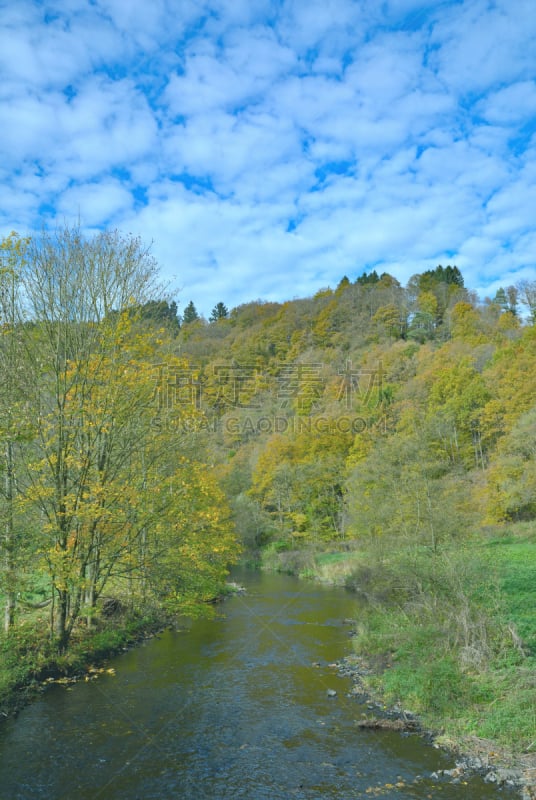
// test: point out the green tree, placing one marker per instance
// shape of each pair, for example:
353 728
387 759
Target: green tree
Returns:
159 313
190 313
501 299
219 312
403 491
445 283
366 279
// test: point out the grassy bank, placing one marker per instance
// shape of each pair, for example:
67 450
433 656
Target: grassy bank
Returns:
28 658
449 635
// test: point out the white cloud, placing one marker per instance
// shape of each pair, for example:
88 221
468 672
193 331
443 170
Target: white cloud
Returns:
266 146
328 26
482 45
511 105
93 202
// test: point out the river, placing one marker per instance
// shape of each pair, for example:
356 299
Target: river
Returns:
229 708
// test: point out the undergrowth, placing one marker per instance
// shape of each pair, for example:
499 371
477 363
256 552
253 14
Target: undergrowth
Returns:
456 632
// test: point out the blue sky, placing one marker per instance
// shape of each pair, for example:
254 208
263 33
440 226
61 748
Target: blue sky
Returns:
267 148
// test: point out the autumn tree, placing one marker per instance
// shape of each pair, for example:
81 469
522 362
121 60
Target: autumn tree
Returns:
193 540
13 413
77 294
511 479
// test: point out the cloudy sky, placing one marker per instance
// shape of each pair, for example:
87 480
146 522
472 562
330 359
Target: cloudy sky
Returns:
267 148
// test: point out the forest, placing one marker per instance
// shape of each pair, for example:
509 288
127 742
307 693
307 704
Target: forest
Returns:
375 435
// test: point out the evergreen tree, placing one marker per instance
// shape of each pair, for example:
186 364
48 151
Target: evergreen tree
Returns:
219 312
365 279
160 312
449 275
190 313
343 283
501 299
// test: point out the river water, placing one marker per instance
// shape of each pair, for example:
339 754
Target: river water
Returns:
230 708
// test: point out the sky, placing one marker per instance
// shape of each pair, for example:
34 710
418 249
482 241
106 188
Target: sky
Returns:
267 148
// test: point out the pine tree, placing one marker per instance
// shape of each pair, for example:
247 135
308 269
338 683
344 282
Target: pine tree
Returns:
219 312
190 313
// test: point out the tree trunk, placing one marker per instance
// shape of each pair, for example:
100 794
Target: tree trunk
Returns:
9 543
60 620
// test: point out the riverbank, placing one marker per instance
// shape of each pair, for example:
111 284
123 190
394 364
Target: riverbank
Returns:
450 636
496 764
28 663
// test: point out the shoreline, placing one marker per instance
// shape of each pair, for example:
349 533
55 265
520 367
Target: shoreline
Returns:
495 764
84 664
472 755
512 764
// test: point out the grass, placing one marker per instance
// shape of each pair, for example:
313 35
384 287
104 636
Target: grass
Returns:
27 656
456 635
453 636
515 558
309 562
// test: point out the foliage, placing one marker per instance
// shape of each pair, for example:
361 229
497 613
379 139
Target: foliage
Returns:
190 313
219 311
378 422
91 422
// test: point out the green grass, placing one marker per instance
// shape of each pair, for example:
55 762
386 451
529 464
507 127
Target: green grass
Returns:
515 559
323 559
27 657
457 635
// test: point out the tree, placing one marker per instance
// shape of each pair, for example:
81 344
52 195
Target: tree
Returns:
423 322
12 413
100 478
513 298
190 313
388 319
402 490
449 275
512 476
193 540
501 298
365 279
466 322
90 404
343 284
161 313
527 295
445 283
219 312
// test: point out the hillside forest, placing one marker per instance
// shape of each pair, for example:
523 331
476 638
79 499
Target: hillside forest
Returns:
378 435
